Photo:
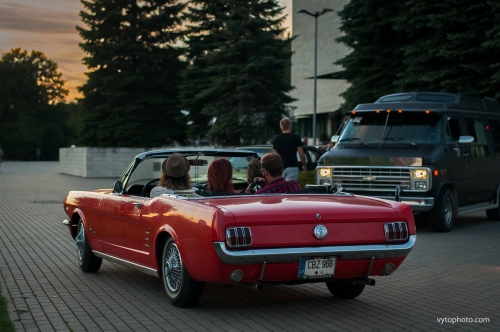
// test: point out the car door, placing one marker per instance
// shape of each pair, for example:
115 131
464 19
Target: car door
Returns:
121 229
457 158
481 175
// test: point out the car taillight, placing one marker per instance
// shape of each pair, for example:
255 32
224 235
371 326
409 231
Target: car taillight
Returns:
238 237
396 231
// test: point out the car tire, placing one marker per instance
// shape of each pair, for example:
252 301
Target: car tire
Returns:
442 217
87 261
182 290
493 214
344 289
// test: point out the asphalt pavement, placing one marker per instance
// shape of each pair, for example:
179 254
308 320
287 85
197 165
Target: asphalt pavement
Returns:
447 280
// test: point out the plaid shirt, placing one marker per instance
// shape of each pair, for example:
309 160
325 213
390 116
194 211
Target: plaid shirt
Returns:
280 186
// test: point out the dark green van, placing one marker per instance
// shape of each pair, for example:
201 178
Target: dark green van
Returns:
437 152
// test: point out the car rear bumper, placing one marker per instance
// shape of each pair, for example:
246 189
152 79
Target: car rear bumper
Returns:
289 255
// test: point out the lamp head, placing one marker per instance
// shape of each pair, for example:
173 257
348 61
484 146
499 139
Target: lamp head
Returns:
305 12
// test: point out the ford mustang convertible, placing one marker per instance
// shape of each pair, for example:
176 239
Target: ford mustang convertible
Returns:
190 238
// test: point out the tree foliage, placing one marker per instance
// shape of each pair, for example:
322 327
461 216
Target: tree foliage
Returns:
32 111
131 95
376 59
449 46
237 63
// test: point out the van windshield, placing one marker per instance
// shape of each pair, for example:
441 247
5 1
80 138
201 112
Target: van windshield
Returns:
409 128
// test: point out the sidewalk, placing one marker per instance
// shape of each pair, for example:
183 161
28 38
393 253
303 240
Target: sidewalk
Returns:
446 275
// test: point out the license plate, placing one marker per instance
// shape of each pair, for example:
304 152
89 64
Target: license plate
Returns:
316 267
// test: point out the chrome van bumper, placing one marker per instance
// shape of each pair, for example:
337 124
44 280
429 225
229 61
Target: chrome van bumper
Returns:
418 204
289 255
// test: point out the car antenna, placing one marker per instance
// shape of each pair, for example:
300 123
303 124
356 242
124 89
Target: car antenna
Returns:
383 131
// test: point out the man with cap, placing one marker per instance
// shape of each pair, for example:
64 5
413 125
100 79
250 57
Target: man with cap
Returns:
174 176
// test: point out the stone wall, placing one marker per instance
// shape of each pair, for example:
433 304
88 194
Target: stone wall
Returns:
91 162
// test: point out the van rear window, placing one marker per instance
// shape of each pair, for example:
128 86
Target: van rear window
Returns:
404 97
436 98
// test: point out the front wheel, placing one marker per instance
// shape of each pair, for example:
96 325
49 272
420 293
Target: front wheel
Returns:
87 261
442 217
343 289
182 290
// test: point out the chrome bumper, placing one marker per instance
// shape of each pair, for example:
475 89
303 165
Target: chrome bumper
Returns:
289 255
418 204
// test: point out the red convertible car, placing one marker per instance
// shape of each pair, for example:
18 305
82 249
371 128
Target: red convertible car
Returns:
189 239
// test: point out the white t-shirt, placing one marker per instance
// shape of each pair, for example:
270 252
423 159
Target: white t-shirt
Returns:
157 191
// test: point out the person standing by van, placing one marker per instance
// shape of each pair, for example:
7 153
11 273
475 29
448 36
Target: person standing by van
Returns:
287 144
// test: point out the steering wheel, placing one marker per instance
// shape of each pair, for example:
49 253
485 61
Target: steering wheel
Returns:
147 185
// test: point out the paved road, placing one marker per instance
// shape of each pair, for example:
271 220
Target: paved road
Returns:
446 275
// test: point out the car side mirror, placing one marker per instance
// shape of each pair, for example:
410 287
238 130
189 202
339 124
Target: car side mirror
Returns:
466 140
335 138
118 188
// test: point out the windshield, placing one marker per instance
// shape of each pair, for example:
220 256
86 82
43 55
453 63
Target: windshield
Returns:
151 169
409 128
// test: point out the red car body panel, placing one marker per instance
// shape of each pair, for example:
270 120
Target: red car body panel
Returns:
130 228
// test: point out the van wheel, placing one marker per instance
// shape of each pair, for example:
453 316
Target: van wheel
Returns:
442 217
493 214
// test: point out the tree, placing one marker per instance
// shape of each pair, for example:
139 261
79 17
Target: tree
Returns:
31 105
236 76
445 52
376 57
411 45
131 95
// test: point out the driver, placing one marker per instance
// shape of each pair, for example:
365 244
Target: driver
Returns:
174 176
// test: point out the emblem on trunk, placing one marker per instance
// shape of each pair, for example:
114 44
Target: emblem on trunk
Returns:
320 232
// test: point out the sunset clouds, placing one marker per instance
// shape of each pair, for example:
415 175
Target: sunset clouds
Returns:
50 26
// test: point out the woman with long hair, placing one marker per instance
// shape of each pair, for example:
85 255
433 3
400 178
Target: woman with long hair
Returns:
220 176
174 176
253 172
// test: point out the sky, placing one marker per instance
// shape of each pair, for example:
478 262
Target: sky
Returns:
49 26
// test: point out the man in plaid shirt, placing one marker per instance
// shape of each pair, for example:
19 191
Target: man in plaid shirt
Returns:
272 169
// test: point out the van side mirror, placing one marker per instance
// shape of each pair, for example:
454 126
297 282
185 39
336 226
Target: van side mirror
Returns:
466 140
118 188
335 138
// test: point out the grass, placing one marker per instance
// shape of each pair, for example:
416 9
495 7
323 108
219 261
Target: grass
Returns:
5 322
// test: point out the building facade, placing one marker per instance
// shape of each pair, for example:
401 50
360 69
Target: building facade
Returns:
329 85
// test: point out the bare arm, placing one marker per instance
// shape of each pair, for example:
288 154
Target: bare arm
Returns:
302 158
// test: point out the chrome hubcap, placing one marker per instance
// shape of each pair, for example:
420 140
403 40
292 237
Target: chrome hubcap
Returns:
80 241
448 211
173 268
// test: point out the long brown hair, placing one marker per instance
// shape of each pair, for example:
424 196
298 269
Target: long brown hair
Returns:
253 170
169 182
220 175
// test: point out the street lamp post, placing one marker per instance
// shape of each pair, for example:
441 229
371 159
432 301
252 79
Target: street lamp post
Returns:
315 15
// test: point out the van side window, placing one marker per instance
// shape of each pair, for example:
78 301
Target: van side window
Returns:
453 132
475 129
494 126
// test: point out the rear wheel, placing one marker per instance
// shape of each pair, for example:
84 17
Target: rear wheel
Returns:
442 217
344 289
182 290
87 261
493 214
